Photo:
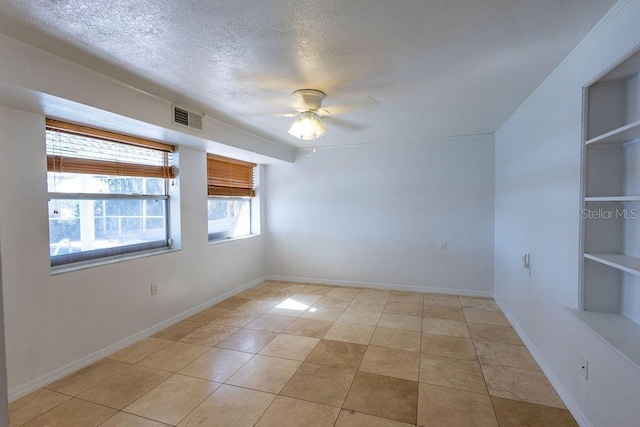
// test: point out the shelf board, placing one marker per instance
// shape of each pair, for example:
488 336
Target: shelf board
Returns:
623 134
621 262
618 331
613 199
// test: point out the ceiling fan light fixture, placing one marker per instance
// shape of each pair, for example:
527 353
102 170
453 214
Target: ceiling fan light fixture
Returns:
308 126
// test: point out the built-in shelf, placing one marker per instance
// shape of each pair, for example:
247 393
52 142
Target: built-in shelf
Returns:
622 134
610 279
613 199
622 334
621 262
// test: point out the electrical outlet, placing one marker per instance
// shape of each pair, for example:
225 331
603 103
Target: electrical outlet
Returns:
443 245
154 289
584 369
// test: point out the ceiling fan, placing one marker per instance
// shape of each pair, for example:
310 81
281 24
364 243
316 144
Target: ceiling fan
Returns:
310 115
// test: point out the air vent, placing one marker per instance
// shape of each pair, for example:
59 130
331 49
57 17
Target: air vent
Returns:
184 117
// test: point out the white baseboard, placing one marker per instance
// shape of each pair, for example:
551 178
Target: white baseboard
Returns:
72 367
387 286
580 418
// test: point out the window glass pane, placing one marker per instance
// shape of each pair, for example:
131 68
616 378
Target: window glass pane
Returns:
100 184
229 217
93 225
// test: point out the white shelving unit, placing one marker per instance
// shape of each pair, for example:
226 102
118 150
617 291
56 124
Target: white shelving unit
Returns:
610 274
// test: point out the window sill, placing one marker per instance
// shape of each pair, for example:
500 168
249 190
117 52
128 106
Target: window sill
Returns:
233 239
66 268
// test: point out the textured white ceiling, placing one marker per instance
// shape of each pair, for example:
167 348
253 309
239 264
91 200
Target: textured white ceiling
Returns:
436 67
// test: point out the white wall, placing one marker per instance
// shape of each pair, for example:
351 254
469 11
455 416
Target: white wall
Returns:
537 211
56 323
375 215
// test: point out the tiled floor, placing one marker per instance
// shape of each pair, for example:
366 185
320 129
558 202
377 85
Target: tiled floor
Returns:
285 354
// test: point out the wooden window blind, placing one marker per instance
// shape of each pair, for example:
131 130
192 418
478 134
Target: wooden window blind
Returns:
229 178
80 149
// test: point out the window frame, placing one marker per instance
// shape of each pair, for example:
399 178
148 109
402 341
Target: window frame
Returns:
232 179
211 236
70 261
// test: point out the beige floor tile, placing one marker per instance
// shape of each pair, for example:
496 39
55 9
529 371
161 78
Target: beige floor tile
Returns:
512 413
480 303
208 315
256 306
454 373
288 287
270 323
74 413
447 346
445 327
401 321
33 405
494 333
125 387
247 340
520 384
306 299
338 354
441 406
216 365
337 302
360 317
263 373
288 412
122 419
138 351
409 309
442 300
514 356
230 406
343 292
383 396
237 319
275 295
357 419
391 362
487 317
173 400
407 297
210 334
380 294
251 293
368 304
174 357
358 334
323 313
179 330
293 347
285 309
443 312
320 384
315 289
308 327
396 338
231 303
83 379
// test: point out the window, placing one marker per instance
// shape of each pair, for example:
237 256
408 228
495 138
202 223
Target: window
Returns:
230 189
108 193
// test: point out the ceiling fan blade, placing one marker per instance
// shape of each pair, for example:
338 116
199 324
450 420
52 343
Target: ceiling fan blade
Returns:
367 103
345 124
276 114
